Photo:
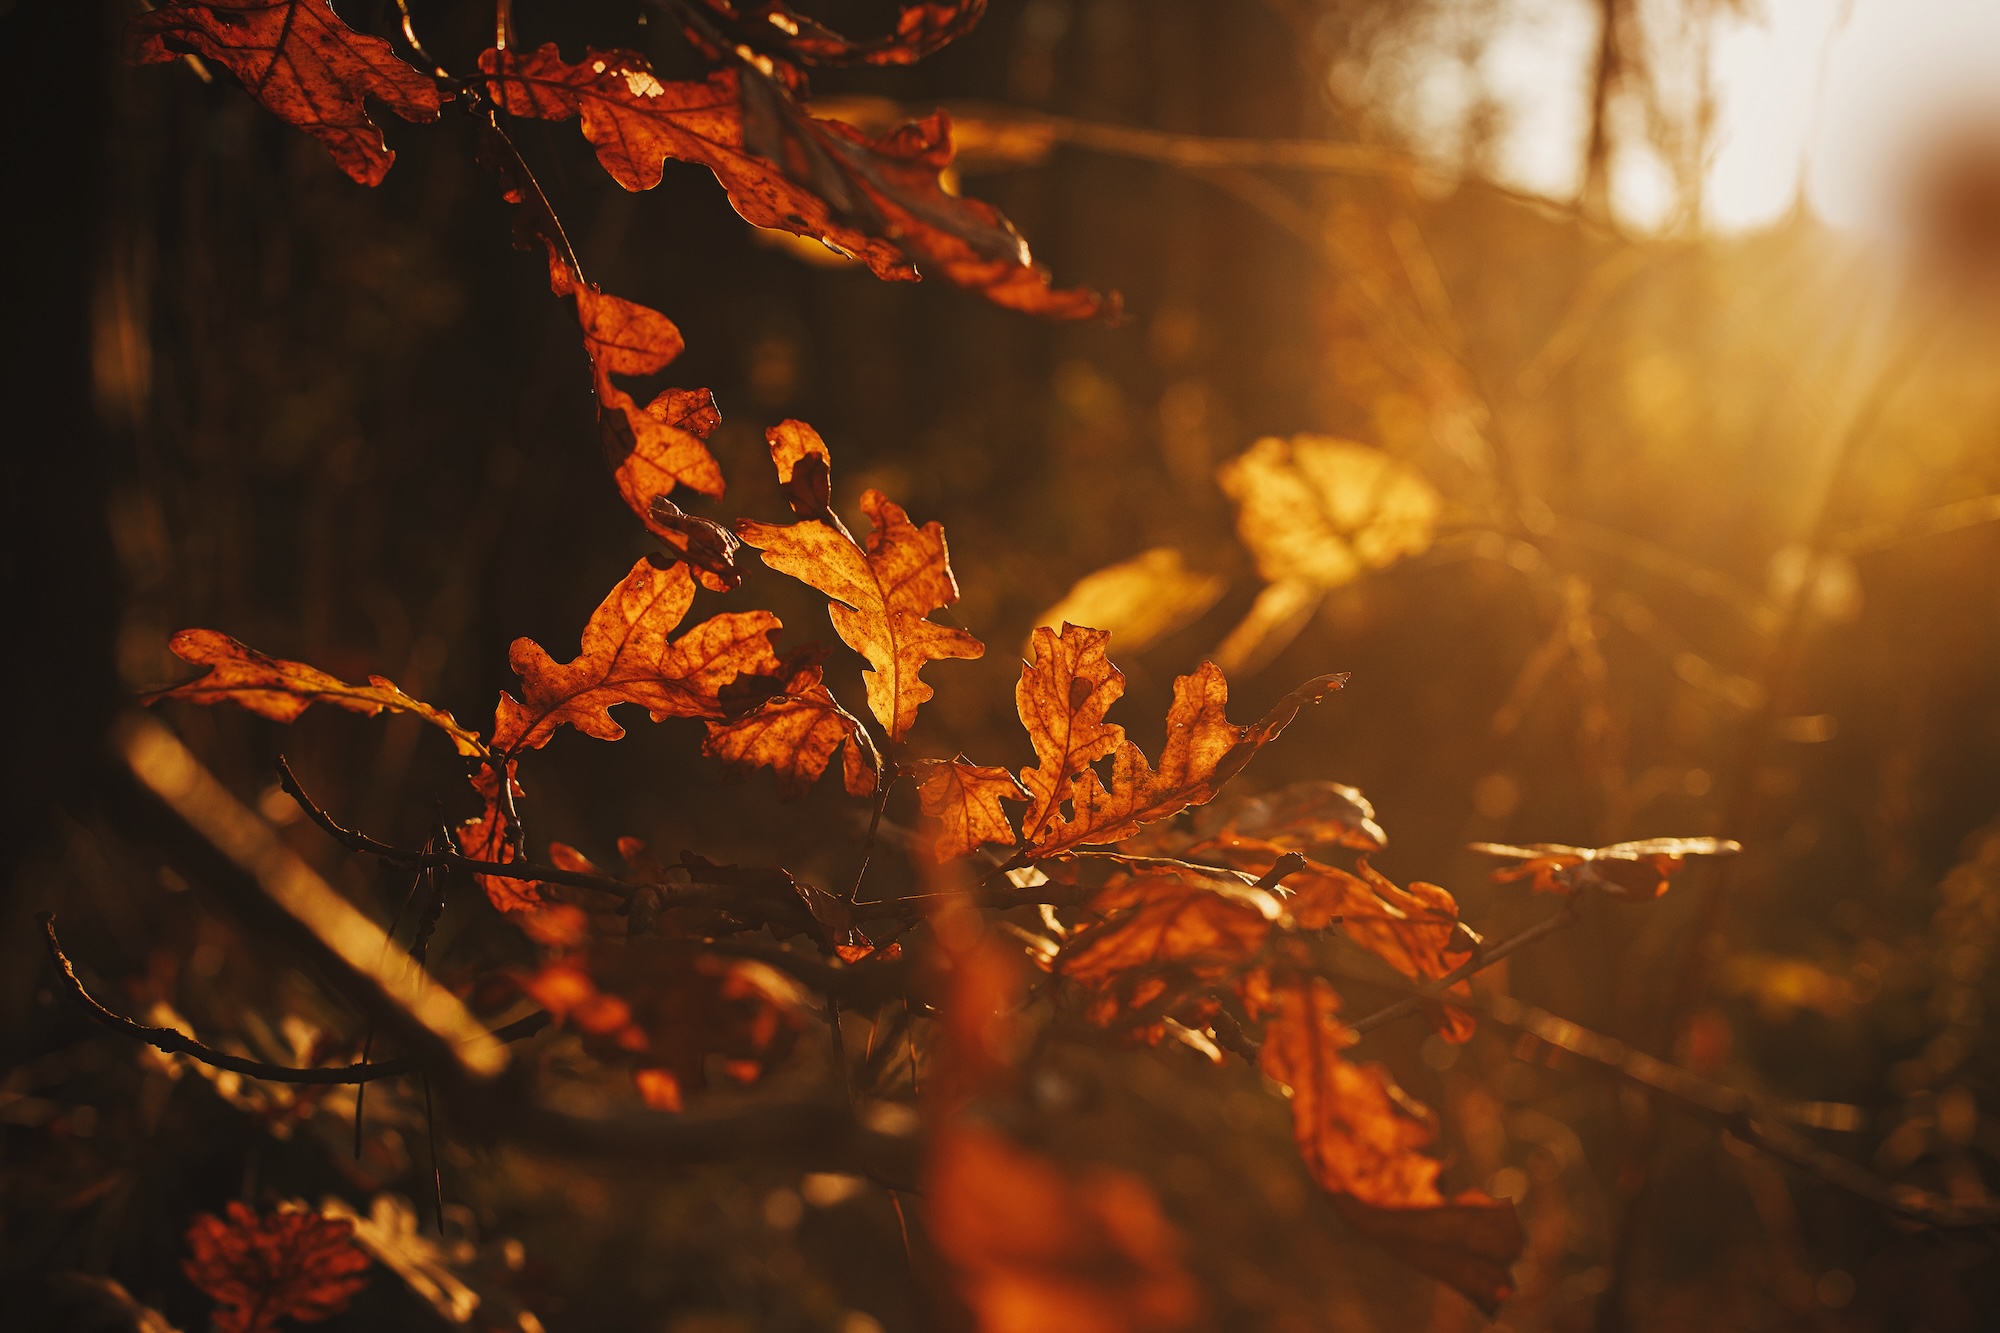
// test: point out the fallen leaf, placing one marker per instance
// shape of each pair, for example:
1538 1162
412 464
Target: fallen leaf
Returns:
1140 600
301 63
1035 1250
1623 870
281 690
964 799
288 1264
1062 700
628 657
882 593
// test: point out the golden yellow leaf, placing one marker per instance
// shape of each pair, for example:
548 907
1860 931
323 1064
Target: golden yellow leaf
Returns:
1138 600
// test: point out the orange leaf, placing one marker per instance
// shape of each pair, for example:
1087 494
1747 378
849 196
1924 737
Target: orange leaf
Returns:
881 593
794 733
301 63
1036 1251
1623 870
1160 928
281 690
1363 1138
485 838
920 30
1062 699
965 800
288 1264
652 449
1302 816
627 658
880 200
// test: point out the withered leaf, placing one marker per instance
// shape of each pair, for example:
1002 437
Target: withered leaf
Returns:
1157 928
627 657
1363 1139
292 1263
1034 1250
1062 700
1623 870
794 733
879 200
281 690
1298 818
301 63
964 799
882 593
655 448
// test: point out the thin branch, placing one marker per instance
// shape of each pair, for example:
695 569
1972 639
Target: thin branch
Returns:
178 1043
1736 1111
1427 996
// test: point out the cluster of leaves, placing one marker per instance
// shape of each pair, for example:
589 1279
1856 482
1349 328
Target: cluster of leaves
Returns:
1148 926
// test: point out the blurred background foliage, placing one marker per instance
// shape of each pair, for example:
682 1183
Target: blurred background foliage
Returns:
1622 530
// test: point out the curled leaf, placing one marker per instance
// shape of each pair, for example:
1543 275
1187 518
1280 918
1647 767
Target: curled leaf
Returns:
794 733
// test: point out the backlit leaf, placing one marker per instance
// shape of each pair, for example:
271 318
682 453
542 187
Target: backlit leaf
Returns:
794 733
882 592
281 690
1062 699
628 657
965 799
1138 600
301 63
879 200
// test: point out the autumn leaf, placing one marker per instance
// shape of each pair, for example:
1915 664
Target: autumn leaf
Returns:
1362 1138
627 657
1158 928
1140 600
1036 1250
882 592
879 200
964 799
1062 699
288 1264
301 63
1298 818
1317 513
920 30
281 690
487 836
1623 870
794 732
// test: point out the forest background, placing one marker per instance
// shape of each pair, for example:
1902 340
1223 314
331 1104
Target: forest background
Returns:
1714 553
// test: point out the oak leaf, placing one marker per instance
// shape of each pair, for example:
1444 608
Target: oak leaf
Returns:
920 30
281 690
1362 1138
964 799
628 657
488 836
1062 700
288 1264
1298 818
882 591
1623 870
652 449
301 63
1139 600
1035 1250
1158 932
879 200
794 732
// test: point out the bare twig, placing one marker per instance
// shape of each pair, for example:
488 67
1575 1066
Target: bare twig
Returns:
1428 995
178 1043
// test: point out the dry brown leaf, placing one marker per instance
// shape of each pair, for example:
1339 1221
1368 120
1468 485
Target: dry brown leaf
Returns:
794 733
1623 870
